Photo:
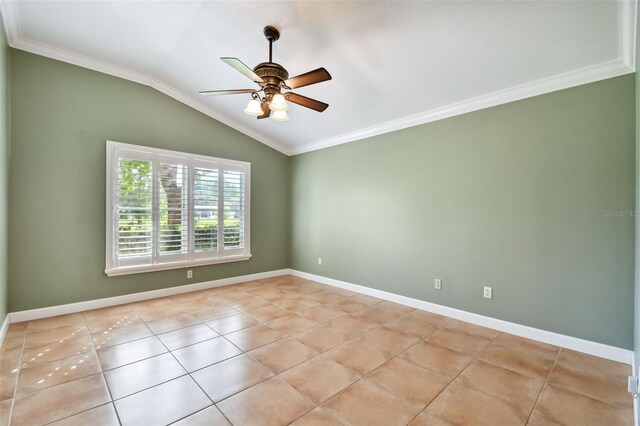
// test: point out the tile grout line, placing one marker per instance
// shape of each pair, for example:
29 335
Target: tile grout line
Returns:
581 393
379 325
150 387
15 390
154 334
459 373
246 353
122 343
502 367
322 354
274 375
544 385
59 384
164 332
83 411
104 378
187 373
24 348
170 351
213 404
113 400
277 340
199 411
318 355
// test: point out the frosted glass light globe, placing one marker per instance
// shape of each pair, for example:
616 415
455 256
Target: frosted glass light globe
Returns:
279 116
253 108
278 103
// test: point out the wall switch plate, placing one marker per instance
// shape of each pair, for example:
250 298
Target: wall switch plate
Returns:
633 386
437 283
189 273
320 261
488 292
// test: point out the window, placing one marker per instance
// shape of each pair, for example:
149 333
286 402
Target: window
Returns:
169 209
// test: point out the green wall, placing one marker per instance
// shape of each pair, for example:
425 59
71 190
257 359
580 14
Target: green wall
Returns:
61 117
4 169
513 197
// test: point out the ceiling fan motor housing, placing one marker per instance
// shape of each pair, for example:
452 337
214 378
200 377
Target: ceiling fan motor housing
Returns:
273 75
266 70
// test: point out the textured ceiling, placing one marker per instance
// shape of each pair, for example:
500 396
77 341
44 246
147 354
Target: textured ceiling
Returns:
394 64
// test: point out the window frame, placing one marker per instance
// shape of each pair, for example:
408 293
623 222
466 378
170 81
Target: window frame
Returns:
193 258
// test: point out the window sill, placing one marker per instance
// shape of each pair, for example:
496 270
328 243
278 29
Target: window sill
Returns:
114 272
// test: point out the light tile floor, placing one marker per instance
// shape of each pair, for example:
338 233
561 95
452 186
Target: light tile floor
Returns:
285 350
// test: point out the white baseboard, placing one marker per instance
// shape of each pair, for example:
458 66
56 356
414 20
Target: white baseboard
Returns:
561 340
4 328
71 308
569 342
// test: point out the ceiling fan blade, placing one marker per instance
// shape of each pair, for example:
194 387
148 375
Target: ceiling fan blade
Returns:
306 102
266 111
311 77
226 92
239 66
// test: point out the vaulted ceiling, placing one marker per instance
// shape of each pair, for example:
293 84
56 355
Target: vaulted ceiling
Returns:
394 64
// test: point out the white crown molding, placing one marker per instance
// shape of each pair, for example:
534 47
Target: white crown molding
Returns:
549 337
625 64
558 82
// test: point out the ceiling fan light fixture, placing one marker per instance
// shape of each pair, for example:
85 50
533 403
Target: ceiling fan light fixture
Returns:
253 108
279 116
278 103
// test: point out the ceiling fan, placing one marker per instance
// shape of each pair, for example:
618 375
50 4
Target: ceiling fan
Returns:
273 80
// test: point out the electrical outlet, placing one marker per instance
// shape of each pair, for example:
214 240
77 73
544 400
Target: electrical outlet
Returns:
320 261
189 273
437 283
488 292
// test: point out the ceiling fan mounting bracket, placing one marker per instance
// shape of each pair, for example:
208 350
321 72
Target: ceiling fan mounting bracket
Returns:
271 33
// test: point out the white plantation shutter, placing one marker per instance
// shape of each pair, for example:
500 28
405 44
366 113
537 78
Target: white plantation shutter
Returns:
172 186
134 202
205 204
172 210
233 220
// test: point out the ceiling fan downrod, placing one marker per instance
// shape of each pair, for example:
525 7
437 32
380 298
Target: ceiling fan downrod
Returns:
272 34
